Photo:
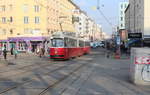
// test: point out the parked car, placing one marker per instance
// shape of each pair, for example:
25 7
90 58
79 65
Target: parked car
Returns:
93 45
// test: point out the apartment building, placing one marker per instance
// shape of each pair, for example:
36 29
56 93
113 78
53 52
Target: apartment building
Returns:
85 27
81 25
25 24
122 8
127 19
137 20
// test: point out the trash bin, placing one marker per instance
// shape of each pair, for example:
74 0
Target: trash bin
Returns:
140 66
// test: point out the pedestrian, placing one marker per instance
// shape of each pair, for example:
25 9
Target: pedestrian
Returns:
11 51
108 49
122 48
37 50
43 51
15 53
5 53
40 52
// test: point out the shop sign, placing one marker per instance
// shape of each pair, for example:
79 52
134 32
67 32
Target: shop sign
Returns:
118 40
134 35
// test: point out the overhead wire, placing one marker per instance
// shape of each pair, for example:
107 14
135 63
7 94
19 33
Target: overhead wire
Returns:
100 11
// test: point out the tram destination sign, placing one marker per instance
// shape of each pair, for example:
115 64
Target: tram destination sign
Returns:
134 35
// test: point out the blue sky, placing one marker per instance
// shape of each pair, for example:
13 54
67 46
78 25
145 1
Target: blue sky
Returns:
109 7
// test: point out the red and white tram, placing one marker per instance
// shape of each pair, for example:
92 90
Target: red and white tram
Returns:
64 46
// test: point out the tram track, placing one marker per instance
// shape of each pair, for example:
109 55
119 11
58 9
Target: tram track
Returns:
32 79
21 67
29 81
24 70
61 79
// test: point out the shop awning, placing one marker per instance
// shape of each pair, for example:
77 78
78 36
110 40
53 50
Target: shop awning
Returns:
132 41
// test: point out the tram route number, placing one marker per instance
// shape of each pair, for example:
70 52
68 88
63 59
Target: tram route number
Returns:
142 60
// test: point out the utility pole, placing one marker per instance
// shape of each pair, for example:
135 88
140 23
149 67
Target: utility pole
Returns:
60 23
61 26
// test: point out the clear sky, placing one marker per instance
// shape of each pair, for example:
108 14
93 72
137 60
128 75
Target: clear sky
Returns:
110 8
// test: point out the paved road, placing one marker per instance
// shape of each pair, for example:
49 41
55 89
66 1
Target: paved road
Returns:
92 74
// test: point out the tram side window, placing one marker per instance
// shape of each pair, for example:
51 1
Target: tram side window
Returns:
81 43
72 42
66 42
87 43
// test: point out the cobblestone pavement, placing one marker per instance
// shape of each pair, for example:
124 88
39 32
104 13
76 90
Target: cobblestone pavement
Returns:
92 74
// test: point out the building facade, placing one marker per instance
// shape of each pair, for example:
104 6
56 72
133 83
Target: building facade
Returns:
86 28
138 18
127 19
122 8
26 24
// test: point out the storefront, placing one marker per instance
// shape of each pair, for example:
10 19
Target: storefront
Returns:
3 43
26 44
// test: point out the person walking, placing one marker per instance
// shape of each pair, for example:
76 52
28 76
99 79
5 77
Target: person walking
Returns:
11 51
43 51
5 53
108 49
40 52
15 53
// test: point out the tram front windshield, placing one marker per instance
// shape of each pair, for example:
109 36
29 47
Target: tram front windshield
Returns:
57 42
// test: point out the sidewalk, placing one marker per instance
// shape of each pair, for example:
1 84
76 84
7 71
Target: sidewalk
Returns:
21 57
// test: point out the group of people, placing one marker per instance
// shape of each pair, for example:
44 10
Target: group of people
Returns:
112 48
13 51
123 48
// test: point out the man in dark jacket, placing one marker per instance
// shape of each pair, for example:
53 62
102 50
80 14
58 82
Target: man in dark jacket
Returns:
5 53
11 51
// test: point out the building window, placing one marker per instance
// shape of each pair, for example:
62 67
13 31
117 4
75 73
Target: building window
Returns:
37 20
25 8
36 31
26 20
3 19
4 31
3 8
27 31
121 13
121 25
121 18
10 7
125 6
121 6
36 8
